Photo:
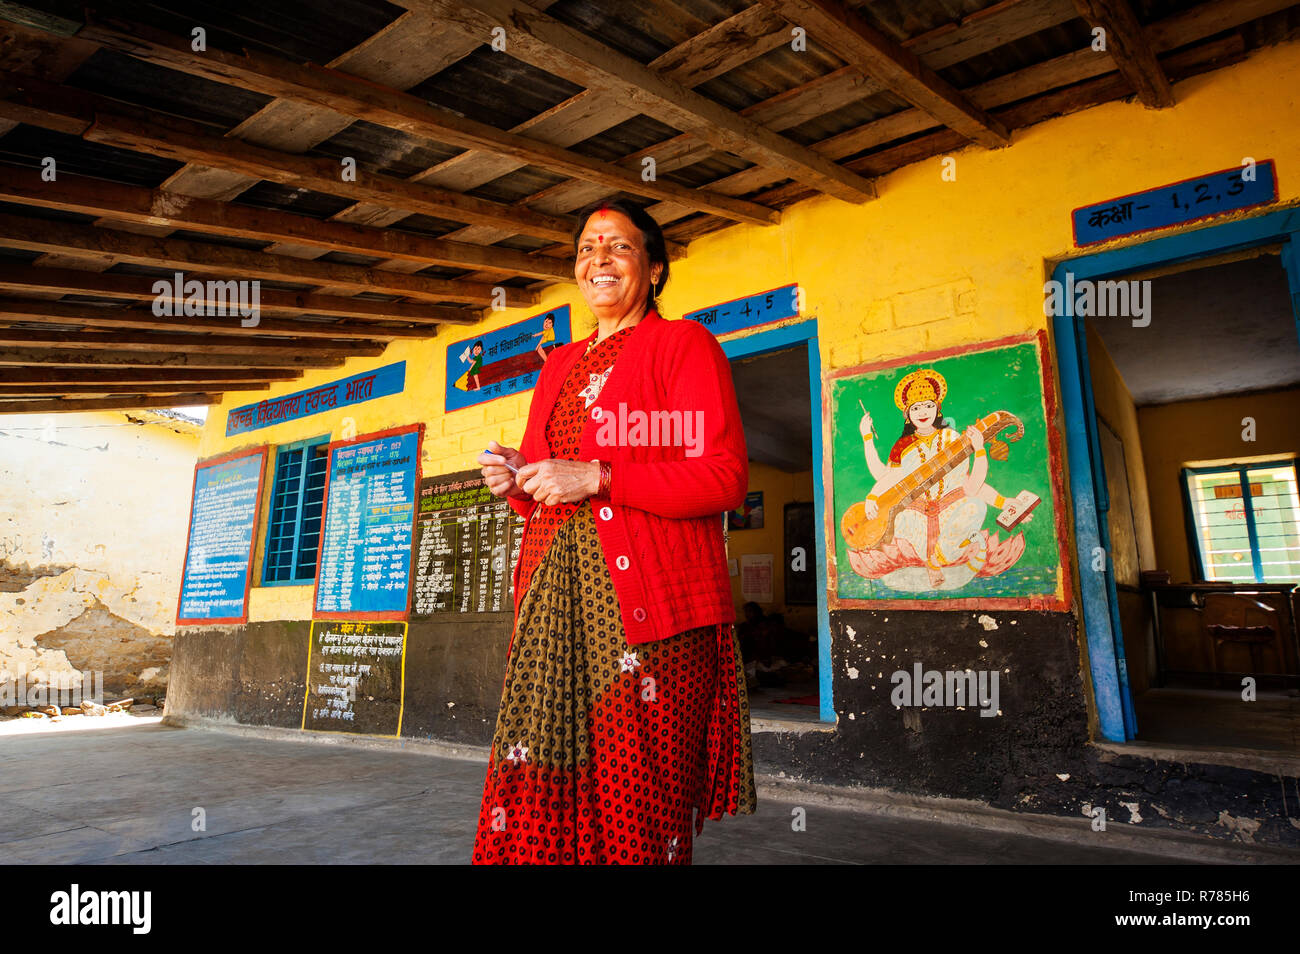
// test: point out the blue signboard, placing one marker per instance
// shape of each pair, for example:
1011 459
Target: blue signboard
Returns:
505 361
364 566
214 583
365 386
1228 190
747 312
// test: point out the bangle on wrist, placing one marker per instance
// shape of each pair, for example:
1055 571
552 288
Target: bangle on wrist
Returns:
980 452
869 436
872 497
605 481
999 501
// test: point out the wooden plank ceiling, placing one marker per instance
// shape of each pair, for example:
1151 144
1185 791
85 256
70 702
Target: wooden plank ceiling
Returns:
227 162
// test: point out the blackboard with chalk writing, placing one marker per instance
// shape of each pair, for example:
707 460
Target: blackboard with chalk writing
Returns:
467 543
368 523
215 579
355 677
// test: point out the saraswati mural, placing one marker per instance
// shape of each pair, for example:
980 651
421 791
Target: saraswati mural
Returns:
948 494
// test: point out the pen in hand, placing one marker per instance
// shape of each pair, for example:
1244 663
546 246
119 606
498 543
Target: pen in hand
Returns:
512 468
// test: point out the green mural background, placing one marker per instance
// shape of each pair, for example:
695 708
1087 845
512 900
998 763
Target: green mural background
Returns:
980 381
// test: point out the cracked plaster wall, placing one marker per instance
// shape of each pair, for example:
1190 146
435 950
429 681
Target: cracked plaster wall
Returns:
93 513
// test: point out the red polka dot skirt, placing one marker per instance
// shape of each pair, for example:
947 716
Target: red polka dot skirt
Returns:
603 750
606 752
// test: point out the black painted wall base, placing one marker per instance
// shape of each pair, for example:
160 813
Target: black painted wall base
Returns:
255 674
1035 756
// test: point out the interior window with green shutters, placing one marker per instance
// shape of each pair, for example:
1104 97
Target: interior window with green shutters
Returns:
1247 522
293 531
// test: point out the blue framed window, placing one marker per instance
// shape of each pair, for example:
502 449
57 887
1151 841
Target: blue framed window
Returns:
294 521
1245 522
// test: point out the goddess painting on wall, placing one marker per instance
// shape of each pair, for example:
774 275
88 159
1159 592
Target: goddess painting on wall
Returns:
921 526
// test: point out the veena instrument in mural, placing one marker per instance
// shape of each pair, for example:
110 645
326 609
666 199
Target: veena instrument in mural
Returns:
862 533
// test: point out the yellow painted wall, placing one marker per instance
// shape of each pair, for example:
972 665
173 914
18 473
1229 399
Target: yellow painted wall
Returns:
929 264
1200 432
779 488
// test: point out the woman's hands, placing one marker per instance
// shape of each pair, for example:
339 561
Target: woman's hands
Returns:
548 482
552 482
497 475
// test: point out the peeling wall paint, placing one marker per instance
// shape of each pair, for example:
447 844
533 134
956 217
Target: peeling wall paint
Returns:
93 509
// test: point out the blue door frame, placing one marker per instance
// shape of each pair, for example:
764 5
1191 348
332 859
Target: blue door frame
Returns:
1097 591
778 339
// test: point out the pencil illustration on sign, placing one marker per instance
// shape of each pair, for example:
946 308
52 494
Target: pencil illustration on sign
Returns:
941 494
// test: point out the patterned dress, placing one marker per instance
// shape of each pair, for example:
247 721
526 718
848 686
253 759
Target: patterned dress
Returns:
604 749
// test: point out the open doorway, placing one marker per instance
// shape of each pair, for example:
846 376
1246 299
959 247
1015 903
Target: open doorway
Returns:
1195 398
771 542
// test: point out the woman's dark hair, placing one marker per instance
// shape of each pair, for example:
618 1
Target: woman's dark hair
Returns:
655 246
477 344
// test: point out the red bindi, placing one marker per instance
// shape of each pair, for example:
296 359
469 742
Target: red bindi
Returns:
600 238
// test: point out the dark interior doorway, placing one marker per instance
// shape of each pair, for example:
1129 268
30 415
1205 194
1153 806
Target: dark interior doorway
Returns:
771 547
1198 424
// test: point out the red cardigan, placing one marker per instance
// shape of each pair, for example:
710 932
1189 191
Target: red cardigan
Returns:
661 531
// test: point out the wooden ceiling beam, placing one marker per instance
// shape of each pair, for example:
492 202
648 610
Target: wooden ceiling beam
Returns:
194 344
740 38
370 102
159 207
188 379
721 47
113 123
94 358
561 50
1103 89
108 390
224 261
403 54
1172 32
51 57
26 279
727 44
97 316
1130 48
834 27
123 402
952 43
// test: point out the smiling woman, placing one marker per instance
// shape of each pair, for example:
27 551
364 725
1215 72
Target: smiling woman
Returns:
612 248
624 709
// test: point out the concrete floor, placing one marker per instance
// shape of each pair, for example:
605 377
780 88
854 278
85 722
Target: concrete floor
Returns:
127 793
1219 719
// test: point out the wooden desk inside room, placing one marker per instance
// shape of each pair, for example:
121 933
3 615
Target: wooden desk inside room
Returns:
1185 647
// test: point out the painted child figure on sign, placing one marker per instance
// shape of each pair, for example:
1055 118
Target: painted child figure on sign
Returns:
921 525
547 334
474 355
